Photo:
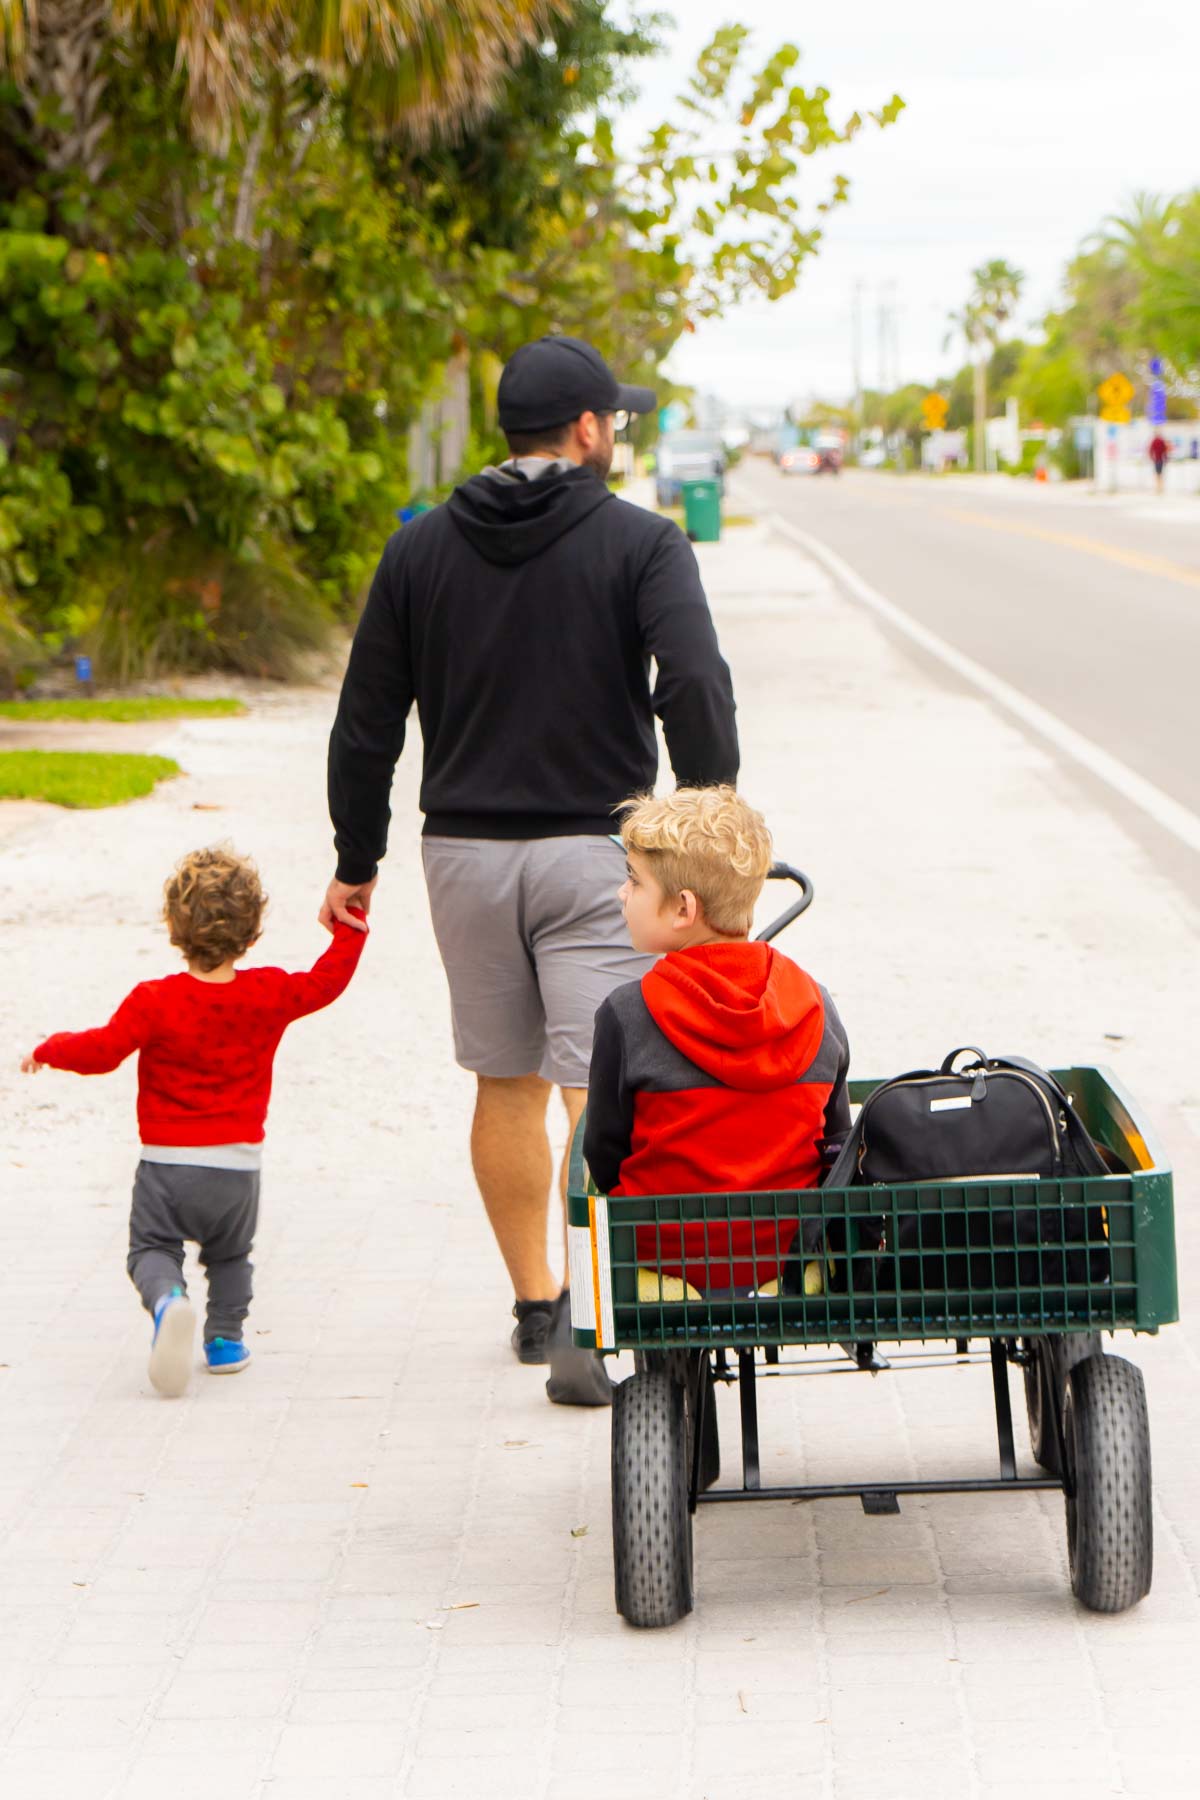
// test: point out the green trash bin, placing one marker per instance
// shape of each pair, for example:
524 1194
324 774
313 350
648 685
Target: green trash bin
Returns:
702 510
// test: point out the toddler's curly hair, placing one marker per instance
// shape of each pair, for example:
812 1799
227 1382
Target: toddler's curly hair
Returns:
708 840
213 905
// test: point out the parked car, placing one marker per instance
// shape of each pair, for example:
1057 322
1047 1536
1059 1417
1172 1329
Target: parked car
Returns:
687 456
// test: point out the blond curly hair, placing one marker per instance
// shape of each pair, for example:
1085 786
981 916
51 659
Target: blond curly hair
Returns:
708 840
213 905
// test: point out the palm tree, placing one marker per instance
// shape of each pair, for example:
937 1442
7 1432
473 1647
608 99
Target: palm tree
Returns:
996 288
1137 233
420 67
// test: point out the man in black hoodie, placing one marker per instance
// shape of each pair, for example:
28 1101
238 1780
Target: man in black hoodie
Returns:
522 617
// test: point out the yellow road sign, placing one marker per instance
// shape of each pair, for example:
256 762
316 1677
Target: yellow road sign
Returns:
1115 391
934 408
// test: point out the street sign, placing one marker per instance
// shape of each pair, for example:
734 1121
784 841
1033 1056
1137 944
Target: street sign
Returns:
1115 391
934 408
672 417
1156 405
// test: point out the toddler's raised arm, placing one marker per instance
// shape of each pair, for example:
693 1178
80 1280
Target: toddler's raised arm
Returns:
310 990
103 1049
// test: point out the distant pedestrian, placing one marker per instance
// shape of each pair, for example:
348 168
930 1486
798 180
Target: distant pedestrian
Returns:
206 1041
522 617
1158 451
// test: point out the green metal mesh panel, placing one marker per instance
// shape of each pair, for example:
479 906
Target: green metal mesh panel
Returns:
927 1260
1002 1258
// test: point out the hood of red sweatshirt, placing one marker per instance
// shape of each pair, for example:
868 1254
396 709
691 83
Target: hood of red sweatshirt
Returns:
741 1012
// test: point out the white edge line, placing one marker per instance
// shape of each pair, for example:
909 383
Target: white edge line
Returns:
1169 813
605 1327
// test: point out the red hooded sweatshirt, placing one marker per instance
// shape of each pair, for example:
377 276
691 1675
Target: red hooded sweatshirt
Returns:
719 1072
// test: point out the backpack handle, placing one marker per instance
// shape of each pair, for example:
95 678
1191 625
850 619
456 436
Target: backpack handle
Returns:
948 1066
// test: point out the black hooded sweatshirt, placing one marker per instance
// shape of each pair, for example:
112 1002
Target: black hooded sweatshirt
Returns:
521 617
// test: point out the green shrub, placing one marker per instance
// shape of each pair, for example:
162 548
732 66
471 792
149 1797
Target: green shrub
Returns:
175 606
21 655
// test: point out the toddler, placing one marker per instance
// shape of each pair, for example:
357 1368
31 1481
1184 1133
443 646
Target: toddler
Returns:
206 1041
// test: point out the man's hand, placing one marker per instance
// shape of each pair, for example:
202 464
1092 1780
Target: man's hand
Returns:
29 1066
339 896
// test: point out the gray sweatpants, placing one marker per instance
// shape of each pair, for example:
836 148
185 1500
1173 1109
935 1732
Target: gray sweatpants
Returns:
215 1208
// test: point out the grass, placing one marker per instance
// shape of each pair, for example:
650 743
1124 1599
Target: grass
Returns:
79 778
132 711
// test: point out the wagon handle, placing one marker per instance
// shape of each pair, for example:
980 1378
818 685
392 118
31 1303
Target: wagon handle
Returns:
784 872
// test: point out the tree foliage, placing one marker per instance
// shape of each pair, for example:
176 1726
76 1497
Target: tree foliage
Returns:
1130 293
241 244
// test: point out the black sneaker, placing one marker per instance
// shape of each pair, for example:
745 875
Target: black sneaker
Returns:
534 1319
577 1377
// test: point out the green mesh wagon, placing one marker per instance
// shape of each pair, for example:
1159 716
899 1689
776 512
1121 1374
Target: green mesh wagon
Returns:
1024 1272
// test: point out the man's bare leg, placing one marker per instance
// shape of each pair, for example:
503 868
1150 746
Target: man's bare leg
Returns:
574 1099
510 1154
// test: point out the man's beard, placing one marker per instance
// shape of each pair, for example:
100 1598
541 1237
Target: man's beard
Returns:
599 460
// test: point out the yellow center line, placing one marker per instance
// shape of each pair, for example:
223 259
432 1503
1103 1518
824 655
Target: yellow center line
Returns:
1131 559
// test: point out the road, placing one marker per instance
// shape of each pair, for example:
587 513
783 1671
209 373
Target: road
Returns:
1087 606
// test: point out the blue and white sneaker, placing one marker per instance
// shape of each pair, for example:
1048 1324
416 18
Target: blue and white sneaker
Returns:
171 1347
225 1356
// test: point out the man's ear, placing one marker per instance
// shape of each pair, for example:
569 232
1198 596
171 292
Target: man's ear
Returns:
589 430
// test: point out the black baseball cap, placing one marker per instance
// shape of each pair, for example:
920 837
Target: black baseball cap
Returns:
555 379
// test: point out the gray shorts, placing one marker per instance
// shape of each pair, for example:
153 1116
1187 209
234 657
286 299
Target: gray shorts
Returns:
532 940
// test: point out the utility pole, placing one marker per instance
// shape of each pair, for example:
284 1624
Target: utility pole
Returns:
882 330
886 331
856 357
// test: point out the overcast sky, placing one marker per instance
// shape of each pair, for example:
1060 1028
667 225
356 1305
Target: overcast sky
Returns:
1027 123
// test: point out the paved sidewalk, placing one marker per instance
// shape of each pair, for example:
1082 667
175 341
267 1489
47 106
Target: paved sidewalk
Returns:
378 1563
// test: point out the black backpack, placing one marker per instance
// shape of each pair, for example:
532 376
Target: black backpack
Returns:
997 1118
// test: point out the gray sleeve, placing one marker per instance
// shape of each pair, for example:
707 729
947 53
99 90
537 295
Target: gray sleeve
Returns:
608 1132
837 1107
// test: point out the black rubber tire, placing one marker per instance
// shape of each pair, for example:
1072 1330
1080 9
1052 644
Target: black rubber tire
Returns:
651 1524
1055 1357
1042 1440
684 1366
1110 1531
710 1442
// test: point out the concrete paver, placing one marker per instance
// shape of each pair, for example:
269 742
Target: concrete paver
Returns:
353 1571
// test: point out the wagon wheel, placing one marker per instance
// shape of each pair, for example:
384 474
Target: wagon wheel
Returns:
710 1441
652 1527
1052 1359
684 1366
1106 1433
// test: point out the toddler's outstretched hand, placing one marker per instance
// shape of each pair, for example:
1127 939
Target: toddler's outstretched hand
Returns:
29 1066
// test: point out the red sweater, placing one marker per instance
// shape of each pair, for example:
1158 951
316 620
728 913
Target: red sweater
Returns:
205 1048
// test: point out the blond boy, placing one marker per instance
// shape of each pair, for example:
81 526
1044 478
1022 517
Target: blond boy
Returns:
724 1068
